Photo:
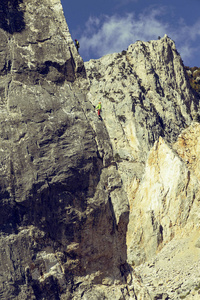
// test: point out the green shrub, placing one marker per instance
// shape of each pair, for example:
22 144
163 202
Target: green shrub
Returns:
195 72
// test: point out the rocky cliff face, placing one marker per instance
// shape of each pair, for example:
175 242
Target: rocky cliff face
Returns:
89 208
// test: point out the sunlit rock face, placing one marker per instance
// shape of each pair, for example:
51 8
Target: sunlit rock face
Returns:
89 206
147 108
144 93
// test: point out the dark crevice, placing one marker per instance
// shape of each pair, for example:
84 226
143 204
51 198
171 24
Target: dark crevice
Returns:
11 16
114 222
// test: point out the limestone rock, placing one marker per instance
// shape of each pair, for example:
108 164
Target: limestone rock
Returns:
58 226
82 200
164 220
175 270
162 203
188 147
145 94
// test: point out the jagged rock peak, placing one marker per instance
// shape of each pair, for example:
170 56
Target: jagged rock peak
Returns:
145 94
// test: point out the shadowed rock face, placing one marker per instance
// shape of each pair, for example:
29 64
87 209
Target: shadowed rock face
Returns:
74 189
42 50
11 16
57 221
36 101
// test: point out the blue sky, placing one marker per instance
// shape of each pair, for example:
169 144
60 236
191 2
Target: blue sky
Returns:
110 26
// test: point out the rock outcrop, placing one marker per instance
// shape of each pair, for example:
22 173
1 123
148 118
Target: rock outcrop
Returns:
89 207
59 232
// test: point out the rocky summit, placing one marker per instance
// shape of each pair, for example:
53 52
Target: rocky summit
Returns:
95 208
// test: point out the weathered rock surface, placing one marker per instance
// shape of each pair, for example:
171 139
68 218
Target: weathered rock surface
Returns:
144 93
174 272
165 216
89 208
162 185
58 226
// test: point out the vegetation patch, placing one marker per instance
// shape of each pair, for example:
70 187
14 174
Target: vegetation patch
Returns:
194 77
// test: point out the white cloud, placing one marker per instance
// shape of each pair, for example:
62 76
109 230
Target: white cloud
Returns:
186 51
108 34
187 39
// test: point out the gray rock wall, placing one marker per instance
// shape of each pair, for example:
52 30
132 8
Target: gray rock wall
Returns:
70 184
57 220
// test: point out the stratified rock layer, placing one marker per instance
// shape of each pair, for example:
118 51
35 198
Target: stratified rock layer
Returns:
84 201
